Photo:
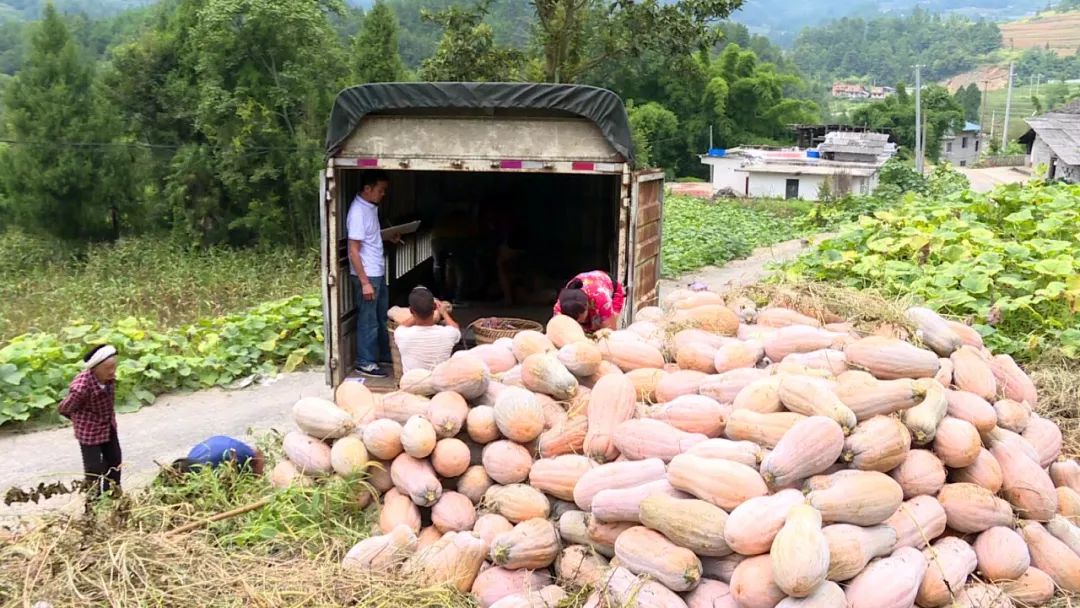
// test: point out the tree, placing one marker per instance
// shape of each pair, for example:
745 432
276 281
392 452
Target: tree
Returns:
577 36
375 48
896 114
654 125
970 99
468 51
64 178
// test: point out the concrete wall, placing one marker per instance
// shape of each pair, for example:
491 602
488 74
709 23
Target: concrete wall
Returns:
774 185
960 156
1041 154
723 174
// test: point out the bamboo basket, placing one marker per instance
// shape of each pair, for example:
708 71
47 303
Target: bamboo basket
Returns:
489 329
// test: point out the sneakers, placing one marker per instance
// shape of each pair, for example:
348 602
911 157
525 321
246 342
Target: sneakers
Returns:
371 370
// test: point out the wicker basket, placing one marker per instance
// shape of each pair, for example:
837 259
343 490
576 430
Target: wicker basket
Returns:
395 354
489 329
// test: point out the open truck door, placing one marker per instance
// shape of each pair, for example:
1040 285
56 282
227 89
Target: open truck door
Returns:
645 232
339 306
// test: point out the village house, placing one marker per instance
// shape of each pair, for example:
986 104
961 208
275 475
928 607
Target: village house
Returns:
849 162
850 91
1054 141
962 148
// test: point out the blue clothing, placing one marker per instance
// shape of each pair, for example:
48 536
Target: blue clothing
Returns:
219 449
372 340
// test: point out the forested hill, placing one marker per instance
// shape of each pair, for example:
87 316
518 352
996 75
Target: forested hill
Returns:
27 10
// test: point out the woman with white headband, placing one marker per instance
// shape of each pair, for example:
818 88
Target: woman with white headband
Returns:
90 404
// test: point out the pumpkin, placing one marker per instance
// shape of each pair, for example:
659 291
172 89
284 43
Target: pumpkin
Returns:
1069 503
923 419
645 381
1024 483
970 508
689 523
581 358
453 513
622 588
1013 382
507 462
356 399
451 457
400 406
752 525
1012 415
1062 529
695 299
726 386
562 330
972 408
416 479
518 415
676 384
493 584
697 356
723 483
734 355
783 317
934 331
711 594
602 535
480 424
309 455
978 595
1066 473
867 396
417 382
285 474
532 544
721 568
944 375
397 510
891 358
379 476
322 419
629 356
1016 440
761 396
714 318
565 438
826 595
348 456
418 437
693 414
972 373
616 475
574 528
985 471
881 443
863 498
828 360
454 560
616 403
557 476
891 582
530 342
623 504
852 547
1033 588
382 438
814 397
949 562
640 439
1052 556
800 552
467 376
647 552
762 429
474 483
1001 554
688 337
807 448
800 339
957 443
753 584
918 521
649 314
578 567
744 452
550 595
1045 436
542 373
382 553
516 502
921 473
447 413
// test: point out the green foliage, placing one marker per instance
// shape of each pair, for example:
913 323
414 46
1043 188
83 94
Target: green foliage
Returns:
701 233
35 368
70 191
1047 64
45 283
884 49
654 125
468 51
970 99
1006 260
375 48
941 112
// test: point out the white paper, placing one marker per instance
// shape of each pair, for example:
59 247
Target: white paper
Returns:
408 228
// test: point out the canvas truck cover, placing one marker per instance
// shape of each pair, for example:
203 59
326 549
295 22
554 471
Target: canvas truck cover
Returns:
600 106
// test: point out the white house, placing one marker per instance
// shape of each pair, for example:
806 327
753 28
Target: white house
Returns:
962 148
850 162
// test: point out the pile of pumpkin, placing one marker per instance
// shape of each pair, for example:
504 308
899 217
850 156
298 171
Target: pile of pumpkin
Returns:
713 456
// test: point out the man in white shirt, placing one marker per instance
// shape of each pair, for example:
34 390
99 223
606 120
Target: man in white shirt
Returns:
368 274
421 342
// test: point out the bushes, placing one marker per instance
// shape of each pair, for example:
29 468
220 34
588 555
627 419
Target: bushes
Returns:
1007 260
35 368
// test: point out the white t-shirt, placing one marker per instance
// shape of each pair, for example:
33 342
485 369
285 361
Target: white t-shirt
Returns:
425 347
362 223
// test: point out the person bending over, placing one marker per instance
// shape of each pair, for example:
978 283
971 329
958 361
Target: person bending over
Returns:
219 450
593 299
423 344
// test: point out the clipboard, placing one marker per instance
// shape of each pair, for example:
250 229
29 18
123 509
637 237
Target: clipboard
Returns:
400 229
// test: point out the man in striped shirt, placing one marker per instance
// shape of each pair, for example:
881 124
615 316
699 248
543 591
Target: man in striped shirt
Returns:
422 343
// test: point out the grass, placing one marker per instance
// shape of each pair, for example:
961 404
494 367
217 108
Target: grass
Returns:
1061 31
45 285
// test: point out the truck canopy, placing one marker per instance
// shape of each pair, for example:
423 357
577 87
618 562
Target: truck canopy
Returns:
600 106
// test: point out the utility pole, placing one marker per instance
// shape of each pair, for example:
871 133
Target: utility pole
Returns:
993 119
1008 107
982 104
918 120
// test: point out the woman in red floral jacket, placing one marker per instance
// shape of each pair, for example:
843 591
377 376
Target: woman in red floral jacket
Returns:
593 299
90 404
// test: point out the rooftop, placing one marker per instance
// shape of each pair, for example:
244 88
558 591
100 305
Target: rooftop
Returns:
1060 131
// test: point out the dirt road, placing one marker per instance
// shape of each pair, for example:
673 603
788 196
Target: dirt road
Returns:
985 180
739 273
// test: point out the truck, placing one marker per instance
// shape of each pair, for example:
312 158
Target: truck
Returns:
554 161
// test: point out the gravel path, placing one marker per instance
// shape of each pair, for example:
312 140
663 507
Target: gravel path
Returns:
740 273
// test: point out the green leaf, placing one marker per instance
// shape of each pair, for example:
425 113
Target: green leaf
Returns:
1058 267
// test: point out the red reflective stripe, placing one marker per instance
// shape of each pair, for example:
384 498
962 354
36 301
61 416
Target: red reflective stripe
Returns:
510 164
367 162
577 166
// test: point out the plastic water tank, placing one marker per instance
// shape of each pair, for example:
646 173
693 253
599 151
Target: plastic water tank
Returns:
717 152
813 154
